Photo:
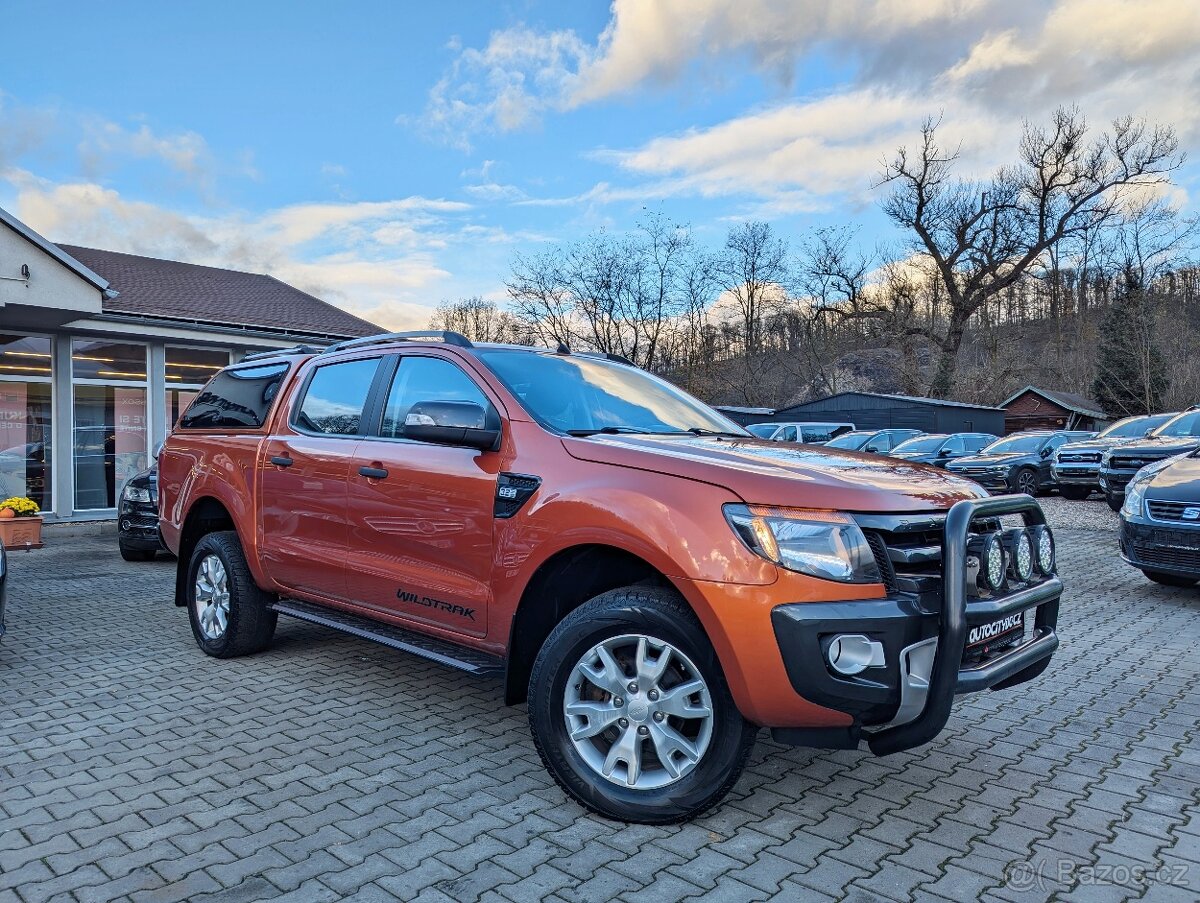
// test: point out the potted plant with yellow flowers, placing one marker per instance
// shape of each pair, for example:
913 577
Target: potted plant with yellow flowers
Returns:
20 523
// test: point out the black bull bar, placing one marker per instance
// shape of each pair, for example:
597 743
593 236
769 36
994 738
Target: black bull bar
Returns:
1023 663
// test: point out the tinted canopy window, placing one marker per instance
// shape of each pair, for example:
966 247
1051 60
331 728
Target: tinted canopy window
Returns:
336 397
236 399
426 379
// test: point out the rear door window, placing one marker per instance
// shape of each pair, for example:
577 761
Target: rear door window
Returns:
787 434
426 379
237 398
336 397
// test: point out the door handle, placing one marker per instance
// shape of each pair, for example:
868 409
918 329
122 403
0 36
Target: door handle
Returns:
281 461
373 473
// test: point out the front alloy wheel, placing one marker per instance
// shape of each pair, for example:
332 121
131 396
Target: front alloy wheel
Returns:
638 712
1027 482
630 710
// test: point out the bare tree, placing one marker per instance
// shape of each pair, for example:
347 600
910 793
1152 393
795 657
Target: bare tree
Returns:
479 320
753 269
985 236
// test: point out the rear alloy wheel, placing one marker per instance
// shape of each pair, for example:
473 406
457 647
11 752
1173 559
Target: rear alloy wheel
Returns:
1170 579
228 612
1027 481
1074 493
630 710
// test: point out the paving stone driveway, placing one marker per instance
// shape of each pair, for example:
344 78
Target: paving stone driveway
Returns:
133 766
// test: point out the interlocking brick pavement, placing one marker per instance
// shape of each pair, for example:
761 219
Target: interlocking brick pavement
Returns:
133 767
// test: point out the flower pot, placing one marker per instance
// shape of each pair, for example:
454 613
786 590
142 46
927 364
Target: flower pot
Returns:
19 533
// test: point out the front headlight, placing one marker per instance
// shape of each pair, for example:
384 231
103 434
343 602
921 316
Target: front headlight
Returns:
1135 492
136 494
1106 458
826 544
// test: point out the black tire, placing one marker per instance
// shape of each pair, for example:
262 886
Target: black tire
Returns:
1114 501
658 613
1027 481
136 554
250 624
1170 579
1074 493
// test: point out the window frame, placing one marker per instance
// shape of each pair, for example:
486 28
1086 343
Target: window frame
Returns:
369 404
383 387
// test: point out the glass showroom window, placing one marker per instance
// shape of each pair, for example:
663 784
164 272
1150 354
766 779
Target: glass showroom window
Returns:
26 397
110 441
188 370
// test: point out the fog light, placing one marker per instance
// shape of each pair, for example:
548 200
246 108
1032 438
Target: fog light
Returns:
989 549
852 653
126 524
1019 547
1043 549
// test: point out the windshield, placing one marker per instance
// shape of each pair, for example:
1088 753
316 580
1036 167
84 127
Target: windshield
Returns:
921 444
763 430
853 440
1015 444
1186 424
1133 427
574 393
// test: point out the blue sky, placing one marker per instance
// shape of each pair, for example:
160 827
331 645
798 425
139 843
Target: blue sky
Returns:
388 156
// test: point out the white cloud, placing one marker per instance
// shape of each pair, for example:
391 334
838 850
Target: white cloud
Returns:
800 154
378 260
104 141
508 84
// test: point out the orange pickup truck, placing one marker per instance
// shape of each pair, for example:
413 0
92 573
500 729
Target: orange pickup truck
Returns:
655 582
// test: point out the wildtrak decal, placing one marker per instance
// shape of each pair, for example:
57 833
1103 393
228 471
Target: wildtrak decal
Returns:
437 604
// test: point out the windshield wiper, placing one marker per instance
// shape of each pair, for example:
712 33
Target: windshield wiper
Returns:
702 431
607 429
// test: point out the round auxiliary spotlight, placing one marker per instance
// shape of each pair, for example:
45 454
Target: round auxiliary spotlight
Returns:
1043 549
989 549
1019 546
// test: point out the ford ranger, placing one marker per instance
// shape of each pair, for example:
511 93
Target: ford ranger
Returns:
656 583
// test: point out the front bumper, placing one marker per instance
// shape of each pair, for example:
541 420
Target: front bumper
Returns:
996 480
1160 547
1077 475
137 525
907 701
1114 481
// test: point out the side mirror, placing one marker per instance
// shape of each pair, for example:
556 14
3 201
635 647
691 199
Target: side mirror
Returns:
1046 452
453 423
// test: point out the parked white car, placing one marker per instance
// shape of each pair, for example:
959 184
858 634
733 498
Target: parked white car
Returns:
810 432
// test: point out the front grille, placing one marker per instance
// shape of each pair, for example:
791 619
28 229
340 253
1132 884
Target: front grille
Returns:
1079 458
909 555
1132 462
1177 511
1172 559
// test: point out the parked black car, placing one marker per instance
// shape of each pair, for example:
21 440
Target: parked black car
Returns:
1118 465
137 517
879 442
1077 464
1160 521
1017 463
940 449
3 585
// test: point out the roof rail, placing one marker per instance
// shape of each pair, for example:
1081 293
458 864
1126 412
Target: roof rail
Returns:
276 352
450 338
608 356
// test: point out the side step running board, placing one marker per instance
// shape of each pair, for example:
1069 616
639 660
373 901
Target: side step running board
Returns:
464 659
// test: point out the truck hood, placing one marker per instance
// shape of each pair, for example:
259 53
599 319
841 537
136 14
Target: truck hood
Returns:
1177 482
774 473
988 460
1160 448
1098 445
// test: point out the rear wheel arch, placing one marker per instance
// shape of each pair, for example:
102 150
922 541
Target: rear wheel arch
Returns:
561 584
206 515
